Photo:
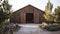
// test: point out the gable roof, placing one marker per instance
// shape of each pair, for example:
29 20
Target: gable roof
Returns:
28 6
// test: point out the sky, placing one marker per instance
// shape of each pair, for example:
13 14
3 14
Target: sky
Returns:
18 4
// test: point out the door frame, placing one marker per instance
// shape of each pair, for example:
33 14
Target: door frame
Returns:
29 17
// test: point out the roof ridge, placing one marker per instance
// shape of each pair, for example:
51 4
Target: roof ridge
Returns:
27 6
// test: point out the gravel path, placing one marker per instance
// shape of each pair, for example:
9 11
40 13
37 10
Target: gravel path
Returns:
33 29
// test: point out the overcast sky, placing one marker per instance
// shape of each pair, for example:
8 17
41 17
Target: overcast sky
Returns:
17 4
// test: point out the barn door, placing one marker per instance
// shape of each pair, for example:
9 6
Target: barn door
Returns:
29 18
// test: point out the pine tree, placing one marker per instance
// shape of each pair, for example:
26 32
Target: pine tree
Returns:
4 14
48 11
57 14
4 11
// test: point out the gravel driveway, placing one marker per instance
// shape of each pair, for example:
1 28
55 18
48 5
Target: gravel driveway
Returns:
33 29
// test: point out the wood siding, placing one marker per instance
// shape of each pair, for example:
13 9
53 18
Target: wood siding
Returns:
19 16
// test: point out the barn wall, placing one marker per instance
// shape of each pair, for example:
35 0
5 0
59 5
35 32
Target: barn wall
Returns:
29 10
20 15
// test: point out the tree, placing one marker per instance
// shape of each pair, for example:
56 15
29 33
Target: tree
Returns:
4 11
48 10
57 14
4 14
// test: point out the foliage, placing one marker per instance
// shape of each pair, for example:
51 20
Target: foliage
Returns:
51 27
16 28
57 14
48 11
4 14
4 11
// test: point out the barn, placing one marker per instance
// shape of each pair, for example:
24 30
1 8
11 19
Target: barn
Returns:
28 14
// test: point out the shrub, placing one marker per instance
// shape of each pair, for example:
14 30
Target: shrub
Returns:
16 28
52 27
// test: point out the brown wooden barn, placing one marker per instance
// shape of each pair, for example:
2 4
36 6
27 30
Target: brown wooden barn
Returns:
28 14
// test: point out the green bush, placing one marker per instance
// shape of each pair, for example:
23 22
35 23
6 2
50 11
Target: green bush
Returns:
16 28
52 27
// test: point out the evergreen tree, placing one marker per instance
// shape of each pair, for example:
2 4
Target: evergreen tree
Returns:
48 11
57 14
4 14
4 11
